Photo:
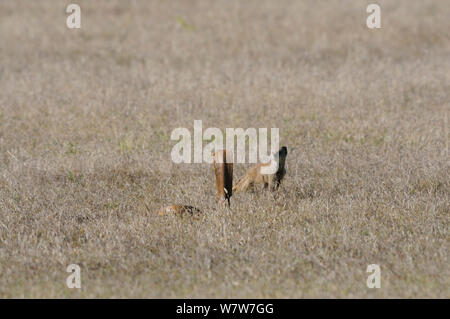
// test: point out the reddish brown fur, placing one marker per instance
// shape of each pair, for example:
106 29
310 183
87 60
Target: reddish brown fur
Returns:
224 176
254 176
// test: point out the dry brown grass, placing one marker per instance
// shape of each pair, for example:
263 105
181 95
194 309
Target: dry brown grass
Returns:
85 121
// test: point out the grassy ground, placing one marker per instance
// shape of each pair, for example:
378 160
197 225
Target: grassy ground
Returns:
85 123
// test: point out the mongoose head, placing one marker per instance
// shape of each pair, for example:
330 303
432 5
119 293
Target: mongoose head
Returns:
280 156
276 163
282 152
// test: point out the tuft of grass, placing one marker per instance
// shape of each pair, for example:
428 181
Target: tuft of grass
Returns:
71 149
185 25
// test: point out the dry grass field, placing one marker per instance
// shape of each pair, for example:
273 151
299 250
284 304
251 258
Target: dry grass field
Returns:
85 123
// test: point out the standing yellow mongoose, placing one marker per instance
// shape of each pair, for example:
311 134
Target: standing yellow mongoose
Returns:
270 174
223 168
